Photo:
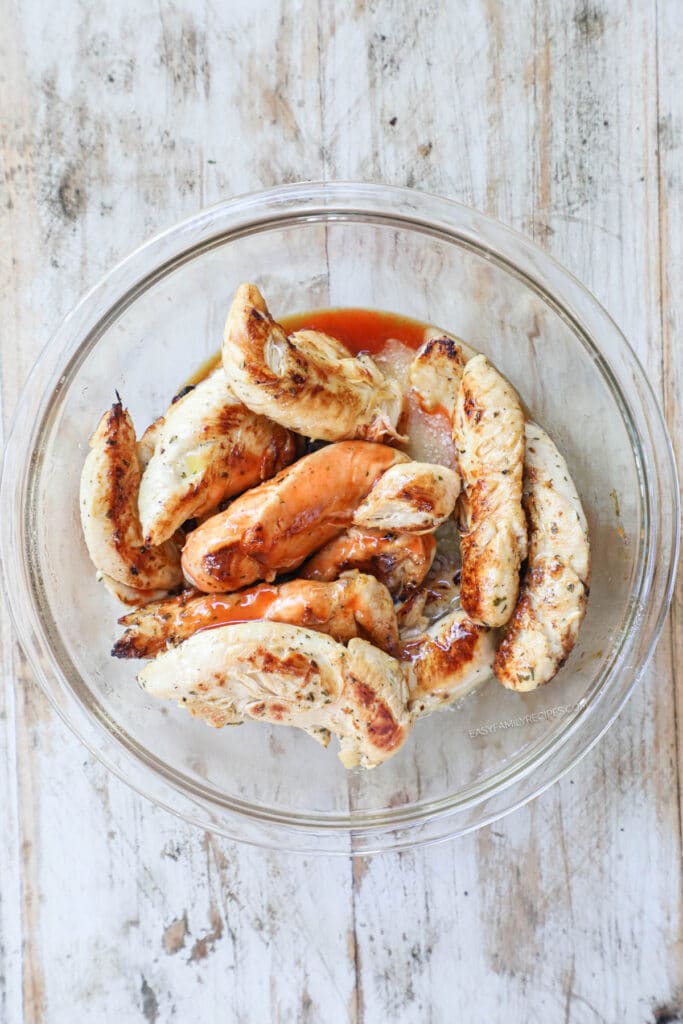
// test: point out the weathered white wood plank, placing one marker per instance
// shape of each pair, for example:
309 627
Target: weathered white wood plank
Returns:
10 864
670 145
670 182
546 115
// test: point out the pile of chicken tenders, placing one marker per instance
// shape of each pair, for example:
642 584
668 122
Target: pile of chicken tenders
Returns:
280 549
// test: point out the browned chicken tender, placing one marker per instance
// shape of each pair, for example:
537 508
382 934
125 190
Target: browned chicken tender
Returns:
110 483
207 447
554 592
288 675
414 497
308 381
355 605
400 560
449 659
489 435
274 527
134 597
436 372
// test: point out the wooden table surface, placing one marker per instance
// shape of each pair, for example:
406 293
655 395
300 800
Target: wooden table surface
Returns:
562 119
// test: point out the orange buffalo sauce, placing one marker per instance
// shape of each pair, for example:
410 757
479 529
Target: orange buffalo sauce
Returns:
247 606
361 330
204 369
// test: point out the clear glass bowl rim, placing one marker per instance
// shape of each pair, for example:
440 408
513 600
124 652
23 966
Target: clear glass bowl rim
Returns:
329 201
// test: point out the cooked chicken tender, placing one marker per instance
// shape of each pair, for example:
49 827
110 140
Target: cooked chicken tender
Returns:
414 497
552 603
207 447
275 526
355 605
436 371
288 675
308 381
132 596
399 560
148 442
110 481
489 435
449 660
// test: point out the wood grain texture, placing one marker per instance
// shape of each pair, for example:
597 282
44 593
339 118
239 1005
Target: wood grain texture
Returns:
562 119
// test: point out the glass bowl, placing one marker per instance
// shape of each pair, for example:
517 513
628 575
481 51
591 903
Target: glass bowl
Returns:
149 324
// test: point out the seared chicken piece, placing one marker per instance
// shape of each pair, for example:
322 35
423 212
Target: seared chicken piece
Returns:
275 526
355 605
301 514
132 596
451 658
554 591
288 675
110 481
414 497
436 371
207 447
308 381
148 442
399 560
489 435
